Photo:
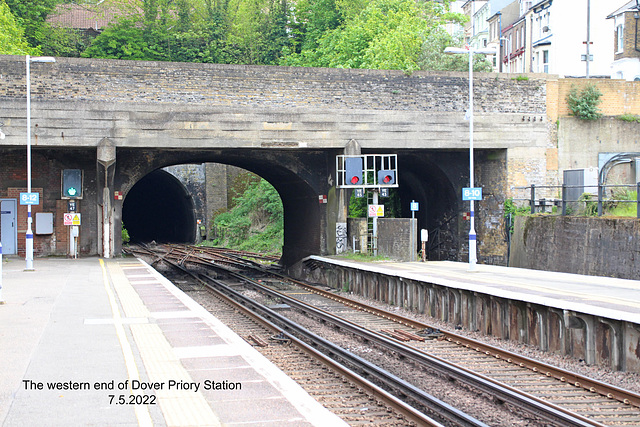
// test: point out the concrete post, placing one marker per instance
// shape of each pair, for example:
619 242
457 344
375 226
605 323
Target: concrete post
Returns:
107 157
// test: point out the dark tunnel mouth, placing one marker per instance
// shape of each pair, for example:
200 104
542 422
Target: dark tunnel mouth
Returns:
159 208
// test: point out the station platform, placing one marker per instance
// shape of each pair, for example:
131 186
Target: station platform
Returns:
606 297
113 343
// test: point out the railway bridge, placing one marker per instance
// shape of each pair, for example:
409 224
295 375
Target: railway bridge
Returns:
120 121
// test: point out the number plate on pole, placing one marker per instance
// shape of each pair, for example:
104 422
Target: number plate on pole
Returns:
473 193
29 198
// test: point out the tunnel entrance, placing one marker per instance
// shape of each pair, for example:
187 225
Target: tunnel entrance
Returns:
159 208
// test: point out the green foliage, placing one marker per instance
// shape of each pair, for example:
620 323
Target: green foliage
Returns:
511 210
255 222
379 34
392 207
12 39
590 204
624 209
364 257
123 40
125 235
31 15
629 118
214 31
56 41
520 78
584 104
432 56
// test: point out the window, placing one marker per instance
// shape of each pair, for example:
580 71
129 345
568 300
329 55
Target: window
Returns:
524 6
545 61
619 38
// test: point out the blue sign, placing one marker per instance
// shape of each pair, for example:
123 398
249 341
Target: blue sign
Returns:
29 198
414 206
474 193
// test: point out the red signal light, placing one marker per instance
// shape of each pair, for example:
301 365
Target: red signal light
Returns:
355 180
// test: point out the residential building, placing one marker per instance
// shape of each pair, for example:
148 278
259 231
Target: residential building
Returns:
626 42
514 54
502 13
562 37
473 26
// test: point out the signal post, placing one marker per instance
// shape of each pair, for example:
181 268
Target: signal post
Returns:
372 172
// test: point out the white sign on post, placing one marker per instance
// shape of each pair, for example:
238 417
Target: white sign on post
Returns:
376 211
472 193
71 218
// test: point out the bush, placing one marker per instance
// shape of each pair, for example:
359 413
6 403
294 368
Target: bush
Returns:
584 104
255 223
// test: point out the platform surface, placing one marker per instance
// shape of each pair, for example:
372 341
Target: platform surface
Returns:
113 343
607 297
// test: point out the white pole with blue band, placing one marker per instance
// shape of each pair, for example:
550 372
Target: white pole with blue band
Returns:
29 234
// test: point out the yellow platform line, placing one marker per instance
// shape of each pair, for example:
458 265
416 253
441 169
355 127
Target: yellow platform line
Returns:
131 303
180 408
142 412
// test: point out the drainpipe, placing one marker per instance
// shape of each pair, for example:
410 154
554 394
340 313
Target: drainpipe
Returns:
500 41
637 15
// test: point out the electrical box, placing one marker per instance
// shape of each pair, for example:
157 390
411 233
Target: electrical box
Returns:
582 181
44 223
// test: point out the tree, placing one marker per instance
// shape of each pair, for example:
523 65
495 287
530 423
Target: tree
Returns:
123 40
31 15
311 19
432 56
12 39
379 34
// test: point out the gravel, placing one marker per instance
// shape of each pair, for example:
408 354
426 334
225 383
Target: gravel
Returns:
626 380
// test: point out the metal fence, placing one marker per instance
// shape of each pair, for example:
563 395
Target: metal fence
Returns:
567 204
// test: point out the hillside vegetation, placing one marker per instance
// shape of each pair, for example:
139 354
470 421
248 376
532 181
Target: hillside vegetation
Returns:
253 223
378 34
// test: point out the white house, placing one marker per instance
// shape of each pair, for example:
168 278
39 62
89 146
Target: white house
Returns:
626 42
560 32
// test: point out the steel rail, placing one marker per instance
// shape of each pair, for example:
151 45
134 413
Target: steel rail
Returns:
251 308
506 393
577 380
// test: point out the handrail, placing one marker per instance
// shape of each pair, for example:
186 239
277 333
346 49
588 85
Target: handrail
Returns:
564 200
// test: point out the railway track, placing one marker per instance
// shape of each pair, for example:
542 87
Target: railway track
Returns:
349 395
554 395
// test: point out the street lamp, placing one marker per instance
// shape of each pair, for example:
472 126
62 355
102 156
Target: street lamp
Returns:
29 234
472 231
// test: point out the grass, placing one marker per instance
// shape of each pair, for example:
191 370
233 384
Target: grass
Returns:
358 256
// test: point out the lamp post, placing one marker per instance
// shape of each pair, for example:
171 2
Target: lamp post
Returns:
29 234
472 231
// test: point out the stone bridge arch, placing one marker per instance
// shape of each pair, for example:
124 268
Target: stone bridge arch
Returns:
298 177
287 125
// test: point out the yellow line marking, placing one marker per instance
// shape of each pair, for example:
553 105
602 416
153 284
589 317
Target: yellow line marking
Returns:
142 412
160 361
